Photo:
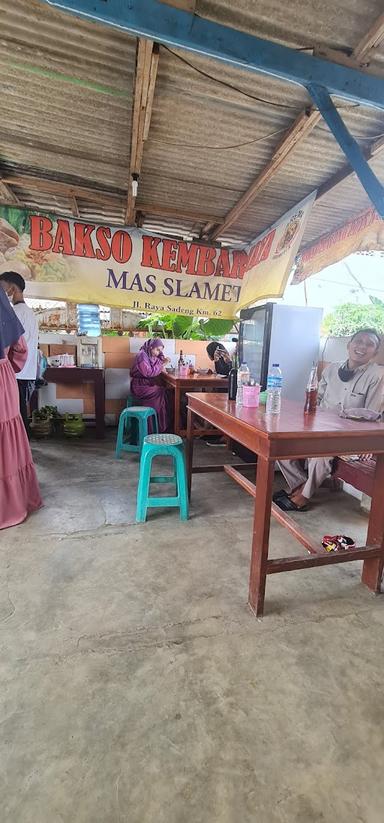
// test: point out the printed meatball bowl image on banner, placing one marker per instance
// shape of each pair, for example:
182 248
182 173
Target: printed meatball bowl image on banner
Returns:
66 259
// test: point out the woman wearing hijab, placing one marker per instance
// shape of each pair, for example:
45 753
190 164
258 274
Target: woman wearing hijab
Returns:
221 358
145 385
19 489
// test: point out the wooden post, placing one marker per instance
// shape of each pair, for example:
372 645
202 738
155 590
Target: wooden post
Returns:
99 388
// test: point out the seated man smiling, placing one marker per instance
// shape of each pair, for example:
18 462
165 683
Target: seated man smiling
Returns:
358 383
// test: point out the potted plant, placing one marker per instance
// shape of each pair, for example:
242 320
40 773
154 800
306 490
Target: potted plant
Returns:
41 425
46 421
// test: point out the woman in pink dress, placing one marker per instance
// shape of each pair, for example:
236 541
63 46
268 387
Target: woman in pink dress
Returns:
19 489
145 385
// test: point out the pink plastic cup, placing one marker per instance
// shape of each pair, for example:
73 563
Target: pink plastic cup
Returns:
251 396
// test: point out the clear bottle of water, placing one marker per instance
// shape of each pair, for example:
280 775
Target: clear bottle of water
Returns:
274 385
242 378
88 320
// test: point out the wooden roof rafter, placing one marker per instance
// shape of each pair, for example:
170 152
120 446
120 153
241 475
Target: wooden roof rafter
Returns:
145 81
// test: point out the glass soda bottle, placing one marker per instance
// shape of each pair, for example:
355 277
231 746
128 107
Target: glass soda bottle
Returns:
311 392
232 379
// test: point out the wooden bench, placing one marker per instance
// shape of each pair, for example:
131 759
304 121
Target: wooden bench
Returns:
357 473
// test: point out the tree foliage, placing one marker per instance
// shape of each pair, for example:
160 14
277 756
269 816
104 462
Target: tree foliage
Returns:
186 328
350 317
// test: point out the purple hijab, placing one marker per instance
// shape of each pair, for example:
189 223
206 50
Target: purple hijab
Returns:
154 343
146 364
10 326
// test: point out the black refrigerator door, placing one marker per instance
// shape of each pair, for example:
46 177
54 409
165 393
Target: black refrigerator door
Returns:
254 341
254 345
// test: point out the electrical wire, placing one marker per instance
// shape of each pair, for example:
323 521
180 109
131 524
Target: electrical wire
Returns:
372 137
220 148
246 93
229 85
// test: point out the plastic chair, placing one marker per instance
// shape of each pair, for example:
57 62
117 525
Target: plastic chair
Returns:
162 445
139 415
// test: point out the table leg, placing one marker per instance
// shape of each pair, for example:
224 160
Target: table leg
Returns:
190 433
176 425
99 388
373 569
260 542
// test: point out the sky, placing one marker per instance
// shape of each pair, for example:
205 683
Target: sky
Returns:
350 281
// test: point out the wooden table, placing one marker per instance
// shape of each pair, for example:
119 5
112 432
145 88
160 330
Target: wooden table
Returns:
293 435
76 377
195 383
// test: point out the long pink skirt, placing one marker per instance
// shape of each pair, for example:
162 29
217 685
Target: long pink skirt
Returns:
19 489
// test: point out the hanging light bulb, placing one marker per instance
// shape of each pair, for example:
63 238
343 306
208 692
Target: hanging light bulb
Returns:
135 184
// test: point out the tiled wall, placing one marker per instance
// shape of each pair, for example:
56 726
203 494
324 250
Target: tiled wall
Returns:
118 359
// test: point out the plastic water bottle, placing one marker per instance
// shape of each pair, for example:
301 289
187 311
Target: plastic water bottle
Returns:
242 378
88 320
274 385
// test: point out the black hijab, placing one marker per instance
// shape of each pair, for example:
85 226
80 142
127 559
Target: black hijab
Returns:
10 326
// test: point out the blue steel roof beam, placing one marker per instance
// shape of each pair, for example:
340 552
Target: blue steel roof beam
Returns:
166 24
349 146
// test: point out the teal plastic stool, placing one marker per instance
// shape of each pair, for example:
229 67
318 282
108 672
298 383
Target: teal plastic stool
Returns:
140 415
162 445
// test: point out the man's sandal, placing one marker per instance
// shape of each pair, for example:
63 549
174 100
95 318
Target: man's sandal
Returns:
286 504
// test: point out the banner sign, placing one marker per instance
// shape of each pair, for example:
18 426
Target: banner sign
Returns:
363 233
63 259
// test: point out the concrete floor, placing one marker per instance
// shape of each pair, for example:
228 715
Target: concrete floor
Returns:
137 688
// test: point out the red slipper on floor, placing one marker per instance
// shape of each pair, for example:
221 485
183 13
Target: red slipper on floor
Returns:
337 542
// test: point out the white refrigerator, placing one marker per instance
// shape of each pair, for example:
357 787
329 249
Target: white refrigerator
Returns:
283 334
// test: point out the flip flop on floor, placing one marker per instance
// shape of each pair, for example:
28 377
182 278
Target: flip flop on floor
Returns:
287 505
337 542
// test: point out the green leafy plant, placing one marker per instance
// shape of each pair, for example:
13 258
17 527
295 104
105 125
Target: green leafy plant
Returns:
45 413
185 328
18 217
349 317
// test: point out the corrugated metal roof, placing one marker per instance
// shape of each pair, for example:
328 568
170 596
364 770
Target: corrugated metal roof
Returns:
67 90
297 23
194 123
67 97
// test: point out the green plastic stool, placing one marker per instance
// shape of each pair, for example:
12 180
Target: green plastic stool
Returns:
141 415
162 445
